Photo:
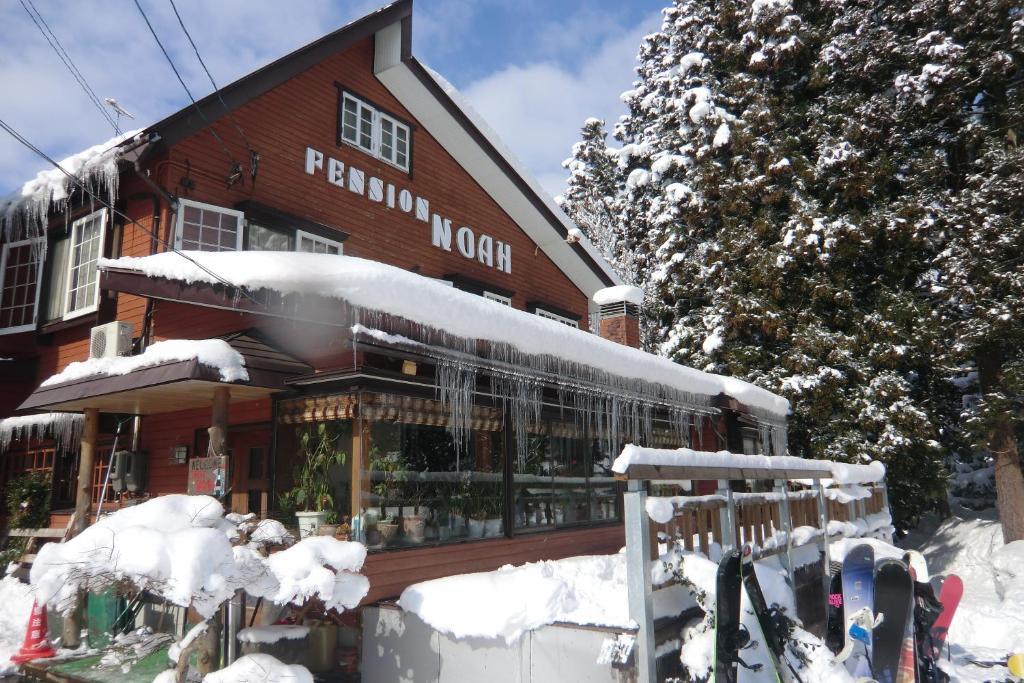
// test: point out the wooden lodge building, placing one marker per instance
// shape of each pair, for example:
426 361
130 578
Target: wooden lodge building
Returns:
398 291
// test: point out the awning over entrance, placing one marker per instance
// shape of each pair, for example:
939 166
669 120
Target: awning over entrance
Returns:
172 386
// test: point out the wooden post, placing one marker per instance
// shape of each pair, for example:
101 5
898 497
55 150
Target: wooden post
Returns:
360 480
218 430
72 629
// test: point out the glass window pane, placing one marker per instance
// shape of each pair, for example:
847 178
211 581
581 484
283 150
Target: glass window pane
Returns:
262 238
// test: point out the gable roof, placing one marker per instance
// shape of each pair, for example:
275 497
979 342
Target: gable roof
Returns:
443 113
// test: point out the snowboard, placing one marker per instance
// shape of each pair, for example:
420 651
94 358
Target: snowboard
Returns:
728 585
858 595
952 591
919 567
836 624
769 620
893 601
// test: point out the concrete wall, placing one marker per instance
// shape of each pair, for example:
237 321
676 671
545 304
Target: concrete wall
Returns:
398 647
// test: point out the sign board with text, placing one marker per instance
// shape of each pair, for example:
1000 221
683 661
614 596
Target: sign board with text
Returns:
208 476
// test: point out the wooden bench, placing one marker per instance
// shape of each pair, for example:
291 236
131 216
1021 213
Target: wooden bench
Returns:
35 536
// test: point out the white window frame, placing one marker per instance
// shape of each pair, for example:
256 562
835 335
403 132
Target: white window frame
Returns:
39 282
504 300
377 118
76 228
299 234
557 318
179 220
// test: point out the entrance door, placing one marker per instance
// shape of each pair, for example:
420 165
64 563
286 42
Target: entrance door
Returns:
250 470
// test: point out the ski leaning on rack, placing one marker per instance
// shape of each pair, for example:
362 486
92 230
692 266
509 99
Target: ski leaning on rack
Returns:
727 618
772 622
858 598
894 599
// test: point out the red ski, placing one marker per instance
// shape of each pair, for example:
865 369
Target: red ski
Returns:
952 591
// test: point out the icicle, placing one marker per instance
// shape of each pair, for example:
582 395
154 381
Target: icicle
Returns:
64 428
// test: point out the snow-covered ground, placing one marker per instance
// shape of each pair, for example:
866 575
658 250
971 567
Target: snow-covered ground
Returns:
989 623
15 608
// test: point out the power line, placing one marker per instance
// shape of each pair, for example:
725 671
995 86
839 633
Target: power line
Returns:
216 90
236 170
69 63
96 198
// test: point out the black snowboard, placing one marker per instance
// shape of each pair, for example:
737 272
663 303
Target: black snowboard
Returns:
894 594
771 622
835 636
727 618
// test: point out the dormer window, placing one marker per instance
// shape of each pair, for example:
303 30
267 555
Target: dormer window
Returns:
374 131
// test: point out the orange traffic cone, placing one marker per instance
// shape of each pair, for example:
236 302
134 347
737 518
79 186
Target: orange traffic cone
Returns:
36 645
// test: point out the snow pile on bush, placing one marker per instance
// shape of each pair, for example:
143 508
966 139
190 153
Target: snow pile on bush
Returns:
215 353
585 590
179 547
262 669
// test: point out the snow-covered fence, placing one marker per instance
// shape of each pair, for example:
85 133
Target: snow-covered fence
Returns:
772 522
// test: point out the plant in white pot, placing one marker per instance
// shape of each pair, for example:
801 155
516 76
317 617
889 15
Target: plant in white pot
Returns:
312 495
414 525
387 471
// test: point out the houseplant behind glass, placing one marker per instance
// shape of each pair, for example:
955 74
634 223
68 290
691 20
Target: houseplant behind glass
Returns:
312 495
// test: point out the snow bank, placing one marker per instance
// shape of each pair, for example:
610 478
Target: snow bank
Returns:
215 353
374 286
179 547
64 428
260 668
585 590
619 293
272 634
15 608
685 457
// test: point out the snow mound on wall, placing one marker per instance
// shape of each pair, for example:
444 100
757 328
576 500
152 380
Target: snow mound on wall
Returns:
215 353
260 668
585 590
380 287
302 572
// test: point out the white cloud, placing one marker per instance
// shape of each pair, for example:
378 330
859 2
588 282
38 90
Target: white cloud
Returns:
538 108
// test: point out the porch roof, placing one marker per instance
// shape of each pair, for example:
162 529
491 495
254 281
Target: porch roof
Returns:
176 384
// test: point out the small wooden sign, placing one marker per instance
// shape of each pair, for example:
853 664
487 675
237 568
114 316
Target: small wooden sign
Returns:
208 476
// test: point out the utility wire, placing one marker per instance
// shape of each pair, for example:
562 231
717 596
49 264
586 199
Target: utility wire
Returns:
96 198
216 90
236 167
58 48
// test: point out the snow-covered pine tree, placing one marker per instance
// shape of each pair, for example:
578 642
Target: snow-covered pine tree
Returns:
769 188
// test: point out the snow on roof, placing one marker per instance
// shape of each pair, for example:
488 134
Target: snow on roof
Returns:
95 166
492 137
64 428
215 353
619 293
375 286
842 473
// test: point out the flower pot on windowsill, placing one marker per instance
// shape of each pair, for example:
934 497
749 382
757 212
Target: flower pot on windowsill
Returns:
327 530
388 531
309 522
476 528
414 527
493 527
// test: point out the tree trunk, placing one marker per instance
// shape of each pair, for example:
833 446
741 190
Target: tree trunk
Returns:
1003 444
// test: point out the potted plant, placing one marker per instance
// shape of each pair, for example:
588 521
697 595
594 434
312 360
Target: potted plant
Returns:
329 527
414 525
386 470
312 495
493 523
387 527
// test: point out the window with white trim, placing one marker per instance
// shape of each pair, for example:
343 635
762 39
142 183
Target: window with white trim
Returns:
557 318
205 227
20 275
82 292
374 132
498 297
314 244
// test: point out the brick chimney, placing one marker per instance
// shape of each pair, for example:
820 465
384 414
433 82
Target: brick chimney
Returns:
619 316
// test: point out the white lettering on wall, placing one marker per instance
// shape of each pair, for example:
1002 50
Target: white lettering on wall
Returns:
503 260
483 248
314 160
335 172
375 190
422 209
441 233
405 200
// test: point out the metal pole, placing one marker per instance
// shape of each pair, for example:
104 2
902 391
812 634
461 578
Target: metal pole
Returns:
823 525
727 515
885 501
638 577
233 621
787 527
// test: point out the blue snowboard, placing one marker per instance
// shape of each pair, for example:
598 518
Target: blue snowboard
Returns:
858 593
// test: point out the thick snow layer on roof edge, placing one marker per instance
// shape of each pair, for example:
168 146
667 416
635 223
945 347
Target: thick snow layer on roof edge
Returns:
27 207
842 473
373 286
492 137
215 353
64 428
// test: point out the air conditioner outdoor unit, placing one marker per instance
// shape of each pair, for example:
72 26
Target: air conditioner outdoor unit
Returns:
111 340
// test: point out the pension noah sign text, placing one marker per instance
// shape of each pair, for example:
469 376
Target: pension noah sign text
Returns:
464 239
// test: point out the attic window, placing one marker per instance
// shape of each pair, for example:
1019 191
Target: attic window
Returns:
374 131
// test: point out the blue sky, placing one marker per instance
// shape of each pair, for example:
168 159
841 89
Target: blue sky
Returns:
533 68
